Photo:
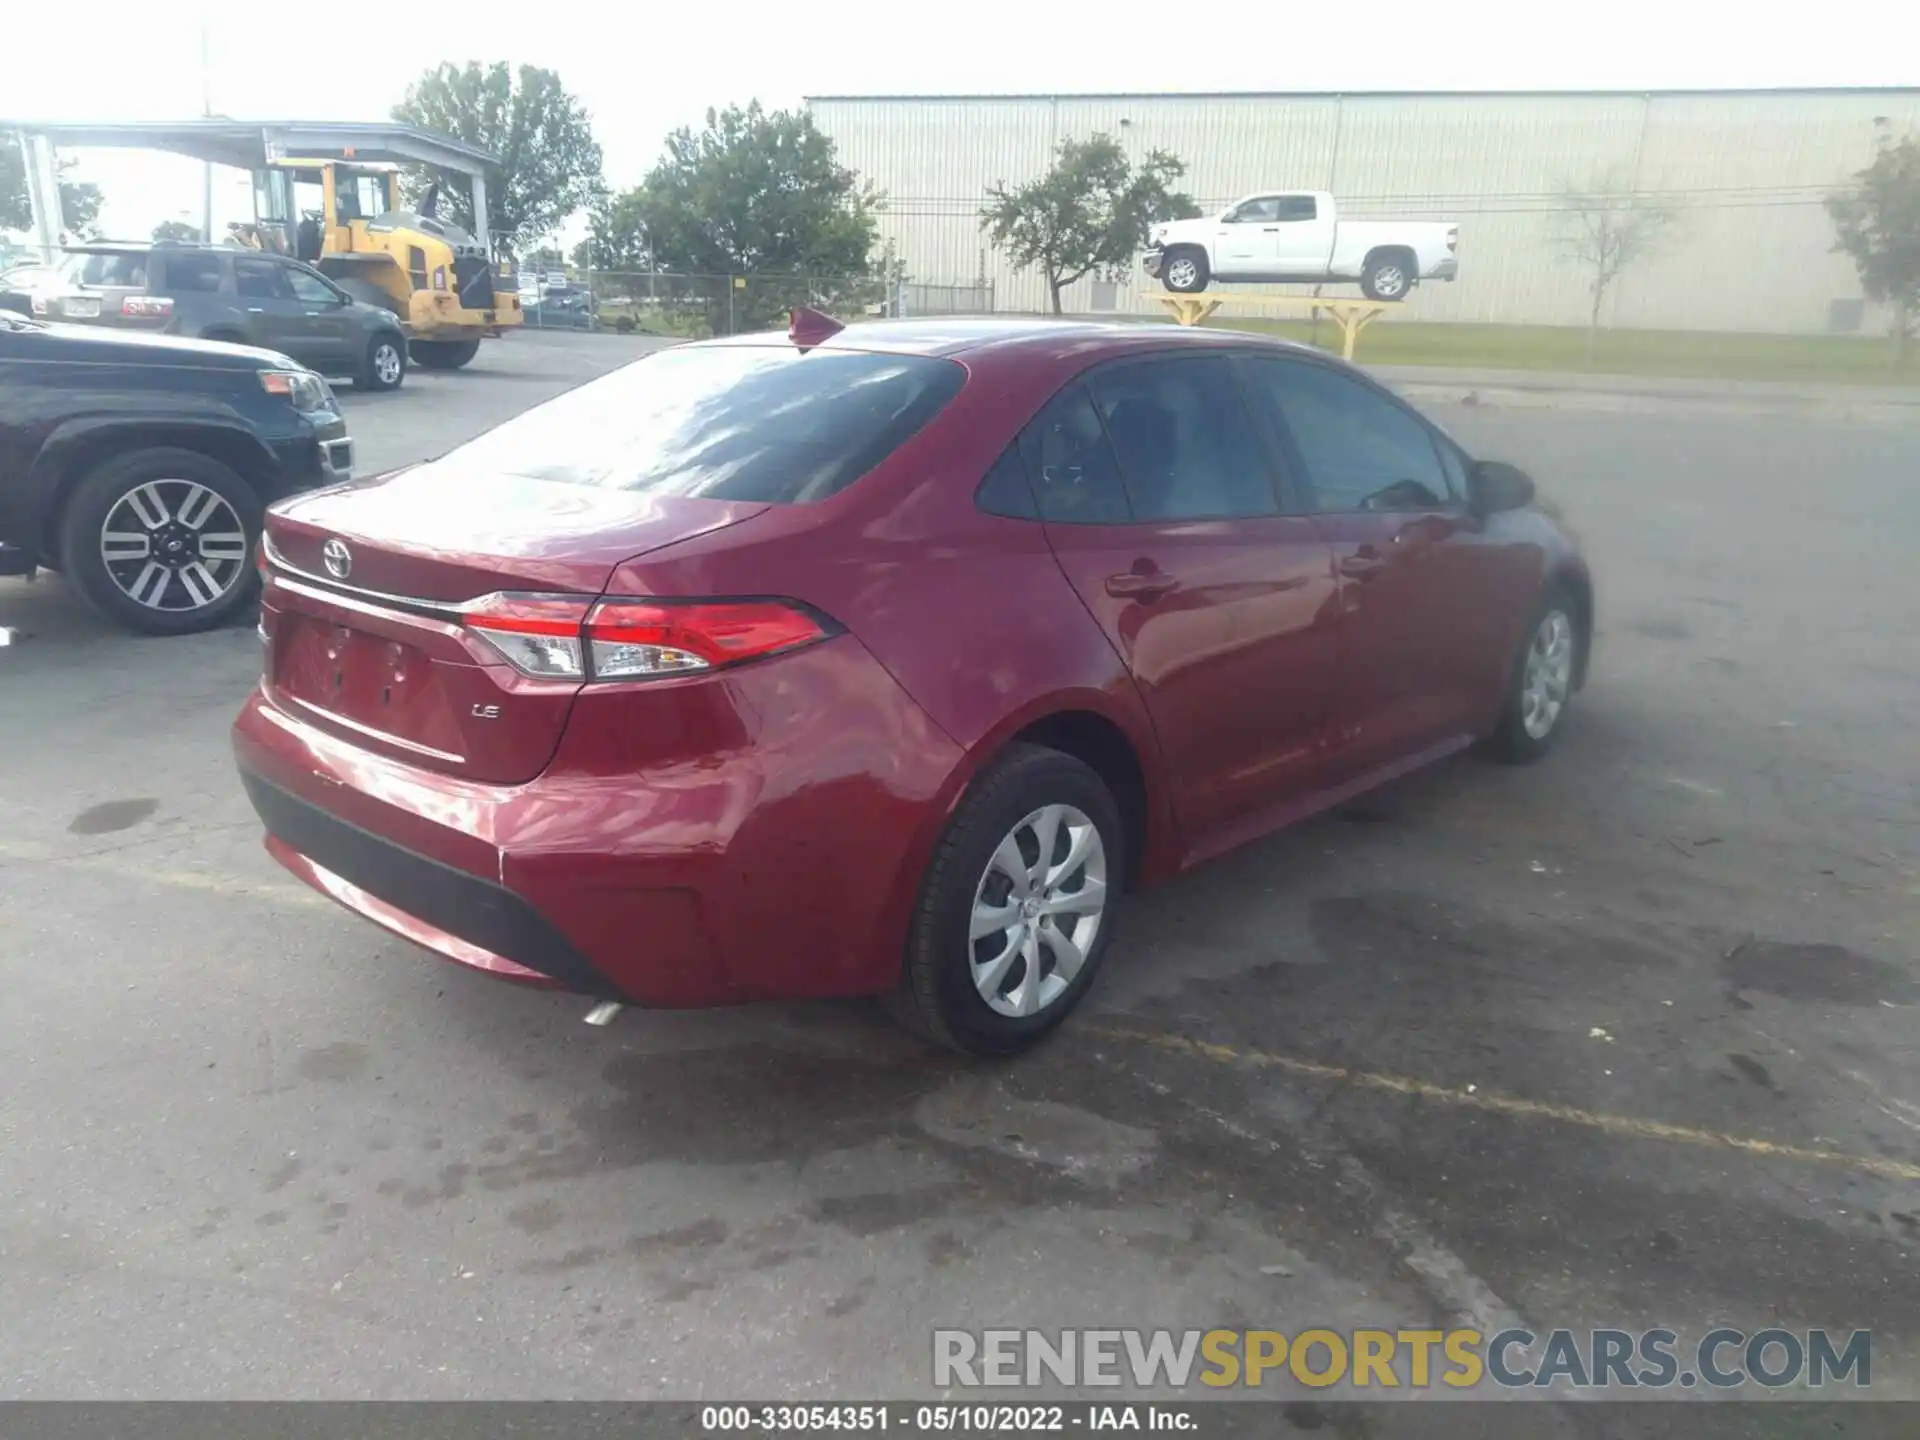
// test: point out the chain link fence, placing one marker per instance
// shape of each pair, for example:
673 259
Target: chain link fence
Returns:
695 307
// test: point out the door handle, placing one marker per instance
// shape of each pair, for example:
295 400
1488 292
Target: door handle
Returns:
1363 564
1133 585
1269 229
256 309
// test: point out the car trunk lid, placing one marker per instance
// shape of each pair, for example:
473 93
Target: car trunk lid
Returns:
364 612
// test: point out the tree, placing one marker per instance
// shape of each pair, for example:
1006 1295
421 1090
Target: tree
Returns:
549 162
79 203
1088 215
1607 227
177 230
756 194
1877 222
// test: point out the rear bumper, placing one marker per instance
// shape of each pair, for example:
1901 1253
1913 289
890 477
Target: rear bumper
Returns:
645 864
1447 269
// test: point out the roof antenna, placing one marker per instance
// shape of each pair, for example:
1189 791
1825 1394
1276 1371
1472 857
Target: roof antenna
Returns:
808 328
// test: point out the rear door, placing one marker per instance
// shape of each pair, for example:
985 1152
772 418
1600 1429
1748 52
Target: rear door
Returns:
1420 583
1303 237
192 280
1161 504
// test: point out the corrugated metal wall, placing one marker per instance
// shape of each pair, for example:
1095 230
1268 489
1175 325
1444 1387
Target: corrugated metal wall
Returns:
1751 250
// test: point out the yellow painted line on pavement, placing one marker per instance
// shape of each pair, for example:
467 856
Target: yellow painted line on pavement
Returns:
122 868
1627 1126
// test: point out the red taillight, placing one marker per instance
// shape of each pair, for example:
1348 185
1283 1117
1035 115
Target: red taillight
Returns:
146 307
568 638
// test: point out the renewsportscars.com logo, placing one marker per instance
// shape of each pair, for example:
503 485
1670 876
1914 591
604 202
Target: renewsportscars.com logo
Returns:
1722 1359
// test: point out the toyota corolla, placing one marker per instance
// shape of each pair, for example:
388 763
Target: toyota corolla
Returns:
885 660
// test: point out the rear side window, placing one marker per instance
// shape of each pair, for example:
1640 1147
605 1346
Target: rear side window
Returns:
119 269
190 275
1187 449
767 423
261 280
1071 466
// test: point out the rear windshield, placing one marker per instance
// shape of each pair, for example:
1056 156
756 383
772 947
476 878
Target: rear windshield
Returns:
757 423
120 268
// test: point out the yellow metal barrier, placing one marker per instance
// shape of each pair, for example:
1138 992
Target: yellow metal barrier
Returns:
1352 316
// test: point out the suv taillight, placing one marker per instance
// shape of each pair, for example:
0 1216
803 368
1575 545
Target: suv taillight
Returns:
146 307
564 637
1453 238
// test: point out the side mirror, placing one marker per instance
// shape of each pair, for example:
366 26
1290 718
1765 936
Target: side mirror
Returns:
1494 485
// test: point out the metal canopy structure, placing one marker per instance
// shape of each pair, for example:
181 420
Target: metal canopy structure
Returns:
245 145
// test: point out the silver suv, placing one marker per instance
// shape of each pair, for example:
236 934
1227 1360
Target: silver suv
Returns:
219 292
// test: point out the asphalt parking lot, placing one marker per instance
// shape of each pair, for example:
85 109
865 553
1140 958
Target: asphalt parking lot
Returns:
1623 1039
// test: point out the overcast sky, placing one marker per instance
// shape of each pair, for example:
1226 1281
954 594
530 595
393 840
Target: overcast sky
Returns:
643 70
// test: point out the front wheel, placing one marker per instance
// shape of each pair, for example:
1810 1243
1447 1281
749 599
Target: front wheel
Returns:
1186 272
161 540
1017 907
444 354
384 365
1541 686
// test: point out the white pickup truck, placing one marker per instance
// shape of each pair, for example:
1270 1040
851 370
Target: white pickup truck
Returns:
1296 236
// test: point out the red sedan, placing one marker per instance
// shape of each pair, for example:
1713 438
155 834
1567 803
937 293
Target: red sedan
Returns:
885 660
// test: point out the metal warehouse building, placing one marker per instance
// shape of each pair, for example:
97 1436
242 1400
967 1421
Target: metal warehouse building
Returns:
1746 171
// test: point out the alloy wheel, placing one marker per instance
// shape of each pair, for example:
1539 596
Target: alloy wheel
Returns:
174 545
1037 910
1183 274
386 363
1548 675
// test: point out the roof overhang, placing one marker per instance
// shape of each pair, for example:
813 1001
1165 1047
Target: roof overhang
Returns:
247 145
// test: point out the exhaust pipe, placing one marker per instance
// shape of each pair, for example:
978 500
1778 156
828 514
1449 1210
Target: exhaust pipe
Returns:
605 1012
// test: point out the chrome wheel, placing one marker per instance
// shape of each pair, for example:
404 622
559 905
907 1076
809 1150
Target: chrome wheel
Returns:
1389 282
1183 274
174 545
387 363
1037 910
1548 675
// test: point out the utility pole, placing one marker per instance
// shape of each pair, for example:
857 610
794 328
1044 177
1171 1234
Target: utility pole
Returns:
206 169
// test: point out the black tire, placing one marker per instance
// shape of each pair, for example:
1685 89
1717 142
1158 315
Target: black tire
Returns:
1190 281
1513 741
177 608
1386 277
444 354
384 365
937 996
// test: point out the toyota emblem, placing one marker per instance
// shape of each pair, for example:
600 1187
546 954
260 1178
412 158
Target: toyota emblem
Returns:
337 558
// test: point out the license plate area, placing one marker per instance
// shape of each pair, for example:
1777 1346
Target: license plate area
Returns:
370 683
81 308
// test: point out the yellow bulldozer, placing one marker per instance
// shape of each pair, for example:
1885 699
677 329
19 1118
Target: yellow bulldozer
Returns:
326 192
346 219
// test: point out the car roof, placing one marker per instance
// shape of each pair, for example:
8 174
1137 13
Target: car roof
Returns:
1031 337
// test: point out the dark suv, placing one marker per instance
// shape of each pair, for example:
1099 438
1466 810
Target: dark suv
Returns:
220 292
139 466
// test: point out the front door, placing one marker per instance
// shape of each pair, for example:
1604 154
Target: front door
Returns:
1245 242
329 320
1419 598
1161 506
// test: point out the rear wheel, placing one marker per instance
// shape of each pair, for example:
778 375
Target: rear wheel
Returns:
1386 277
162 540
1185 271
385 364
1017 907
444 354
